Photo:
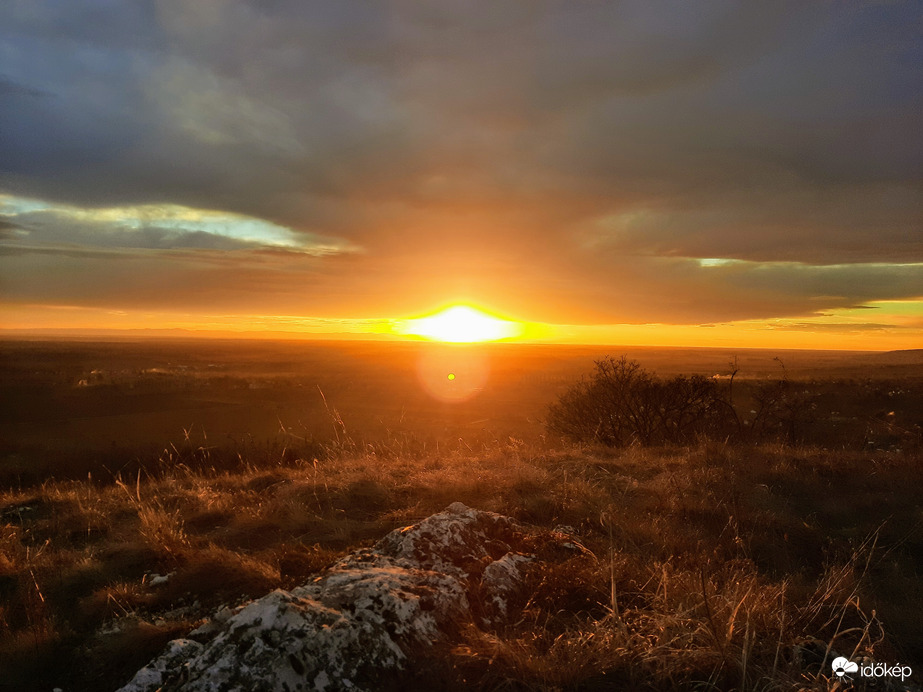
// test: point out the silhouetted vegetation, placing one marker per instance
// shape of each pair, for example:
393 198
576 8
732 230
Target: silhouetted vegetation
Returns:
621 404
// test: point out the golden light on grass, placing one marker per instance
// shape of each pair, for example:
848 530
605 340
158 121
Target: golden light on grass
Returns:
462 324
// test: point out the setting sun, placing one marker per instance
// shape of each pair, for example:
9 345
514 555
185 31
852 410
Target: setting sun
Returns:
462 324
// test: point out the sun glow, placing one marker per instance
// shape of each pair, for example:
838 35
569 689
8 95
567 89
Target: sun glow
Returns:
462 324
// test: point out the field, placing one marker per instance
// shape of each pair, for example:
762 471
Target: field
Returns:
239 467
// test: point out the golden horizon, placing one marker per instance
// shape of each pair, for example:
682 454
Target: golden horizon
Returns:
797 332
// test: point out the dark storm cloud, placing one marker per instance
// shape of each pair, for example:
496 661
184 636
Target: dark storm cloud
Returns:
586 153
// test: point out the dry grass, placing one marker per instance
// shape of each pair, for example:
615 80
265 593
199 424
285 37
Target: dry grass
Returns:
710 567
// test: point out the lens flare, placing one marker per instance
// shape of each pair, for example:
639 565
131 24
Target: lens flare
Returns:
452 373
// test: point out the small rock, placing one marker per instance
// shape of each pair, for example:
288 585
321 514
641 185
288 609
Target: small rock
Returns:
501 580
154 580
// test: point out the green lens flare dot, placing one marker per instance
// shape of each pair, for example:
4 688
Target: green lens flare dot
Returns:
451 375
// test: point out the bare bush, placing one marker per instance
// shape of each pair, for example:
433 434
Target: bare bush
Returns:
783 410
623 404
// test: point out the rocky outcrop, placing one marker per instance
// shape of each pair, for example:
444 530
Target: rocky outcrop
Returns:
370 612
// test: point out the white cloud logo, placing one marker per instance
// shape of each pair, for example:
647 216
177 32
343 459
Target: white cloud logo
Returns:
843 665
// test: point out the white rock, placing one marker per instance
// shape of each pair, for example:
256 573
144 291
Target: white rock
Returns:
369 612
501 579
158 579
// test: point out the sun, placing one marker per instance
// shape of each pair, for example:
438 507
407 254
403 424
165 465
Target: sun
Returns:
462 324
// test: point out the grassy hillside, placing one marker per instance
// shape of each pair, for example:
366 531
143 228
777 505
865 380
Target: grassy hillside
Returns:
708 567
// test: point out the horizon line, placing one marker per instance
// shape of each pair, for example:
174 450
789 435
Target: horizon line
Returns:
140 333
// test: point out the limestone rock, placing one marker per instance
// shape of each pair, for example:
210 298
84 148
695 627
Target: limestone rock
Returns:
501 580
369 612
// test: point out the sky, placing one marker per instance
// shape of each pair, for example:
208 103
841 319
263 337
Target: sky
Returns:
675 173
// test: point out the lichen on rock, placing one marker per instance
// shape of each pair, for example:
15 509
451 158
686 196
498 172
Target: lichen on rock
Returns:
368 613
500 581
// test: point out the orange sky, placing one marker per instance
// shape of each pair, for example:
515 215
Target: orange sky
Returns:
777 333
612 173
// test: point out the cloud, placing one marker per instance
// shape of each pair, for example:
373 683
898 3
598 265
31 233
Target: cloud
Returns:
566 162
845 327
153 227
9 231
10 90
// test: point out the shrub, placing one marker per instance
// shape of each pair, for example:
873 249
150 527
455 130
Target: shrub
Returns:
782 411
622 404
